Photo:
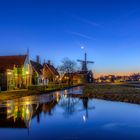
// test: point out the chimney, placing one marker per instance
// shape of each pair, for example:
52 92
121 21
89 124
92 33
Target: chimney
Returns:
44 61
38 59
49 62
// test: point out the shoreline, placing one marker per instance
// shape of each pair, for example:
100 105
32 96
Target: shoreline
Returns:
9 95
121 93
114 97
110 92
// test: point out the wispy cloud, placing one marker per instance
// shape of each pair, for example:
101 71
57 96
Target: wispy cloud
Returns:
86 21
80 35
93 23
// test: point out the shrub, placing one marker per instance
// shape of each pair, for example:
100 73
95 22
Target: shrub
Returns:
37 87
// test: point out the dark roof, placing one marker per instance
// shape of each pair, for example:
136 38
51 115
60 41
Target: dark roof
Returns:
37 67
52 68
77 72
8 62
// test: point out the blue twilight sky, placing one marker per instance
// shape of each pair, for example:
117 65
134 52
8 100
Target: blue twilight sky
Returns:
109 30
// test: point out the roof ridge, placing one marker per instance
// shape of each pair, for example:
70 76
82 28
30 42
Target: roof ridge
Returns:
13 55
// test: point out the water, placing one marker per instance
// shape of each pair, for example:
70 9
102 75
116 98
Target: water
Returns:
59 116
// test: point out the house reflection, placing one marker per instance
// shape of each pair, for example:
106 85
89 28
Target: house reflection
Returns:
68 104
19 113
46 108
15 116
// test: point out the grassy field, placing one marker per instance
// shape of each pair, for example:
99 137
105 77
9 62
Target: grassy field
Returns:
113 92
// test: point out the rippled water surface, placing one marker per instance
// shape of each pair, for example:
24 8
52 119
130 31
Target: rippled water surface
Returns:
60 116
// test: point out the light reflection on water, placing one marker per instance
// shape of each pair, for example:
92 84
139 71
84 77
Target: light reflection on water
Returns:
59 116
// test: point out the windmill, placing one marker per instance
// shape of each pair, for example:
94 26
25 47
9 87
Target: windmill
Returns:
85 62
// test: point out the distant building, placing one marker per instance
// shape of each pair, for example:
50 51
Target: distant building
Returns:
117 79
134 77
15 72
106 79
78 77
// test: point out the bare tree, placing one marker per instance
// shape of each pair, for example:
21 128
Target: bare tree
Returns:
68 67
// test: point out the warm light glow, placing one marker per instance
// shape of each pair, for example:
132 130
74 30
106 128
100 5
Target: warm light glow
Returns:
27 111
27 103
57 96
9 111
9 73
27 72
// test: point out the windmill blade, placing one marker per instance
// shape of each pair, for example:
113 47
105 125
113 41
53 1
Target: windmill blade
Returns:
89 108
79 60
92 62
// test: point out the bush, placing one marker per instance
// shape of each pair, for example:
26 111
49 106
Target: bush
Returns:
37 87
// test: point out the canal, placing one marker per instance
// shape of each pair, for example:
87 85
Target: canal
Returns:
59 116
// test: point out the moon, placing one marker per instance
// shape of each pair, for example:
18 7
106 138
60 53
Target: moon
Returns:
82 47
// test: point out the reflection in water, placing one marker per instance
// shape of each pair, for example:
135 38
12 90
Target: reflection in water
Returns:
86 107
61 116
67 103
18 113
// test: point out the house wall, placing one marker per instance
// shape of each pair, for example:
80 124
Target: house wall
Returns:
17 77
27 73
10 79
48 75
37 79
34 77
3 81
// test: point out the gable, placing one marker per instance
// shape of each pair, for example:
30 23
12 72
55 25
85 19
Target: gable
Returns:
37 67
8 62
51 69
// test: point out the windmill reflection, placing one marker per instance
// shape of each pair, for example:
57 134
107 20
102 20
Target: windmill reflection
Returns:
85 102
18 113
69 104
85 106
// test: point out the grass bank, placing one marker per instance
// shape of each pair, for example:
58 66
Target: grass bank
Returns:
113 92
8 95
